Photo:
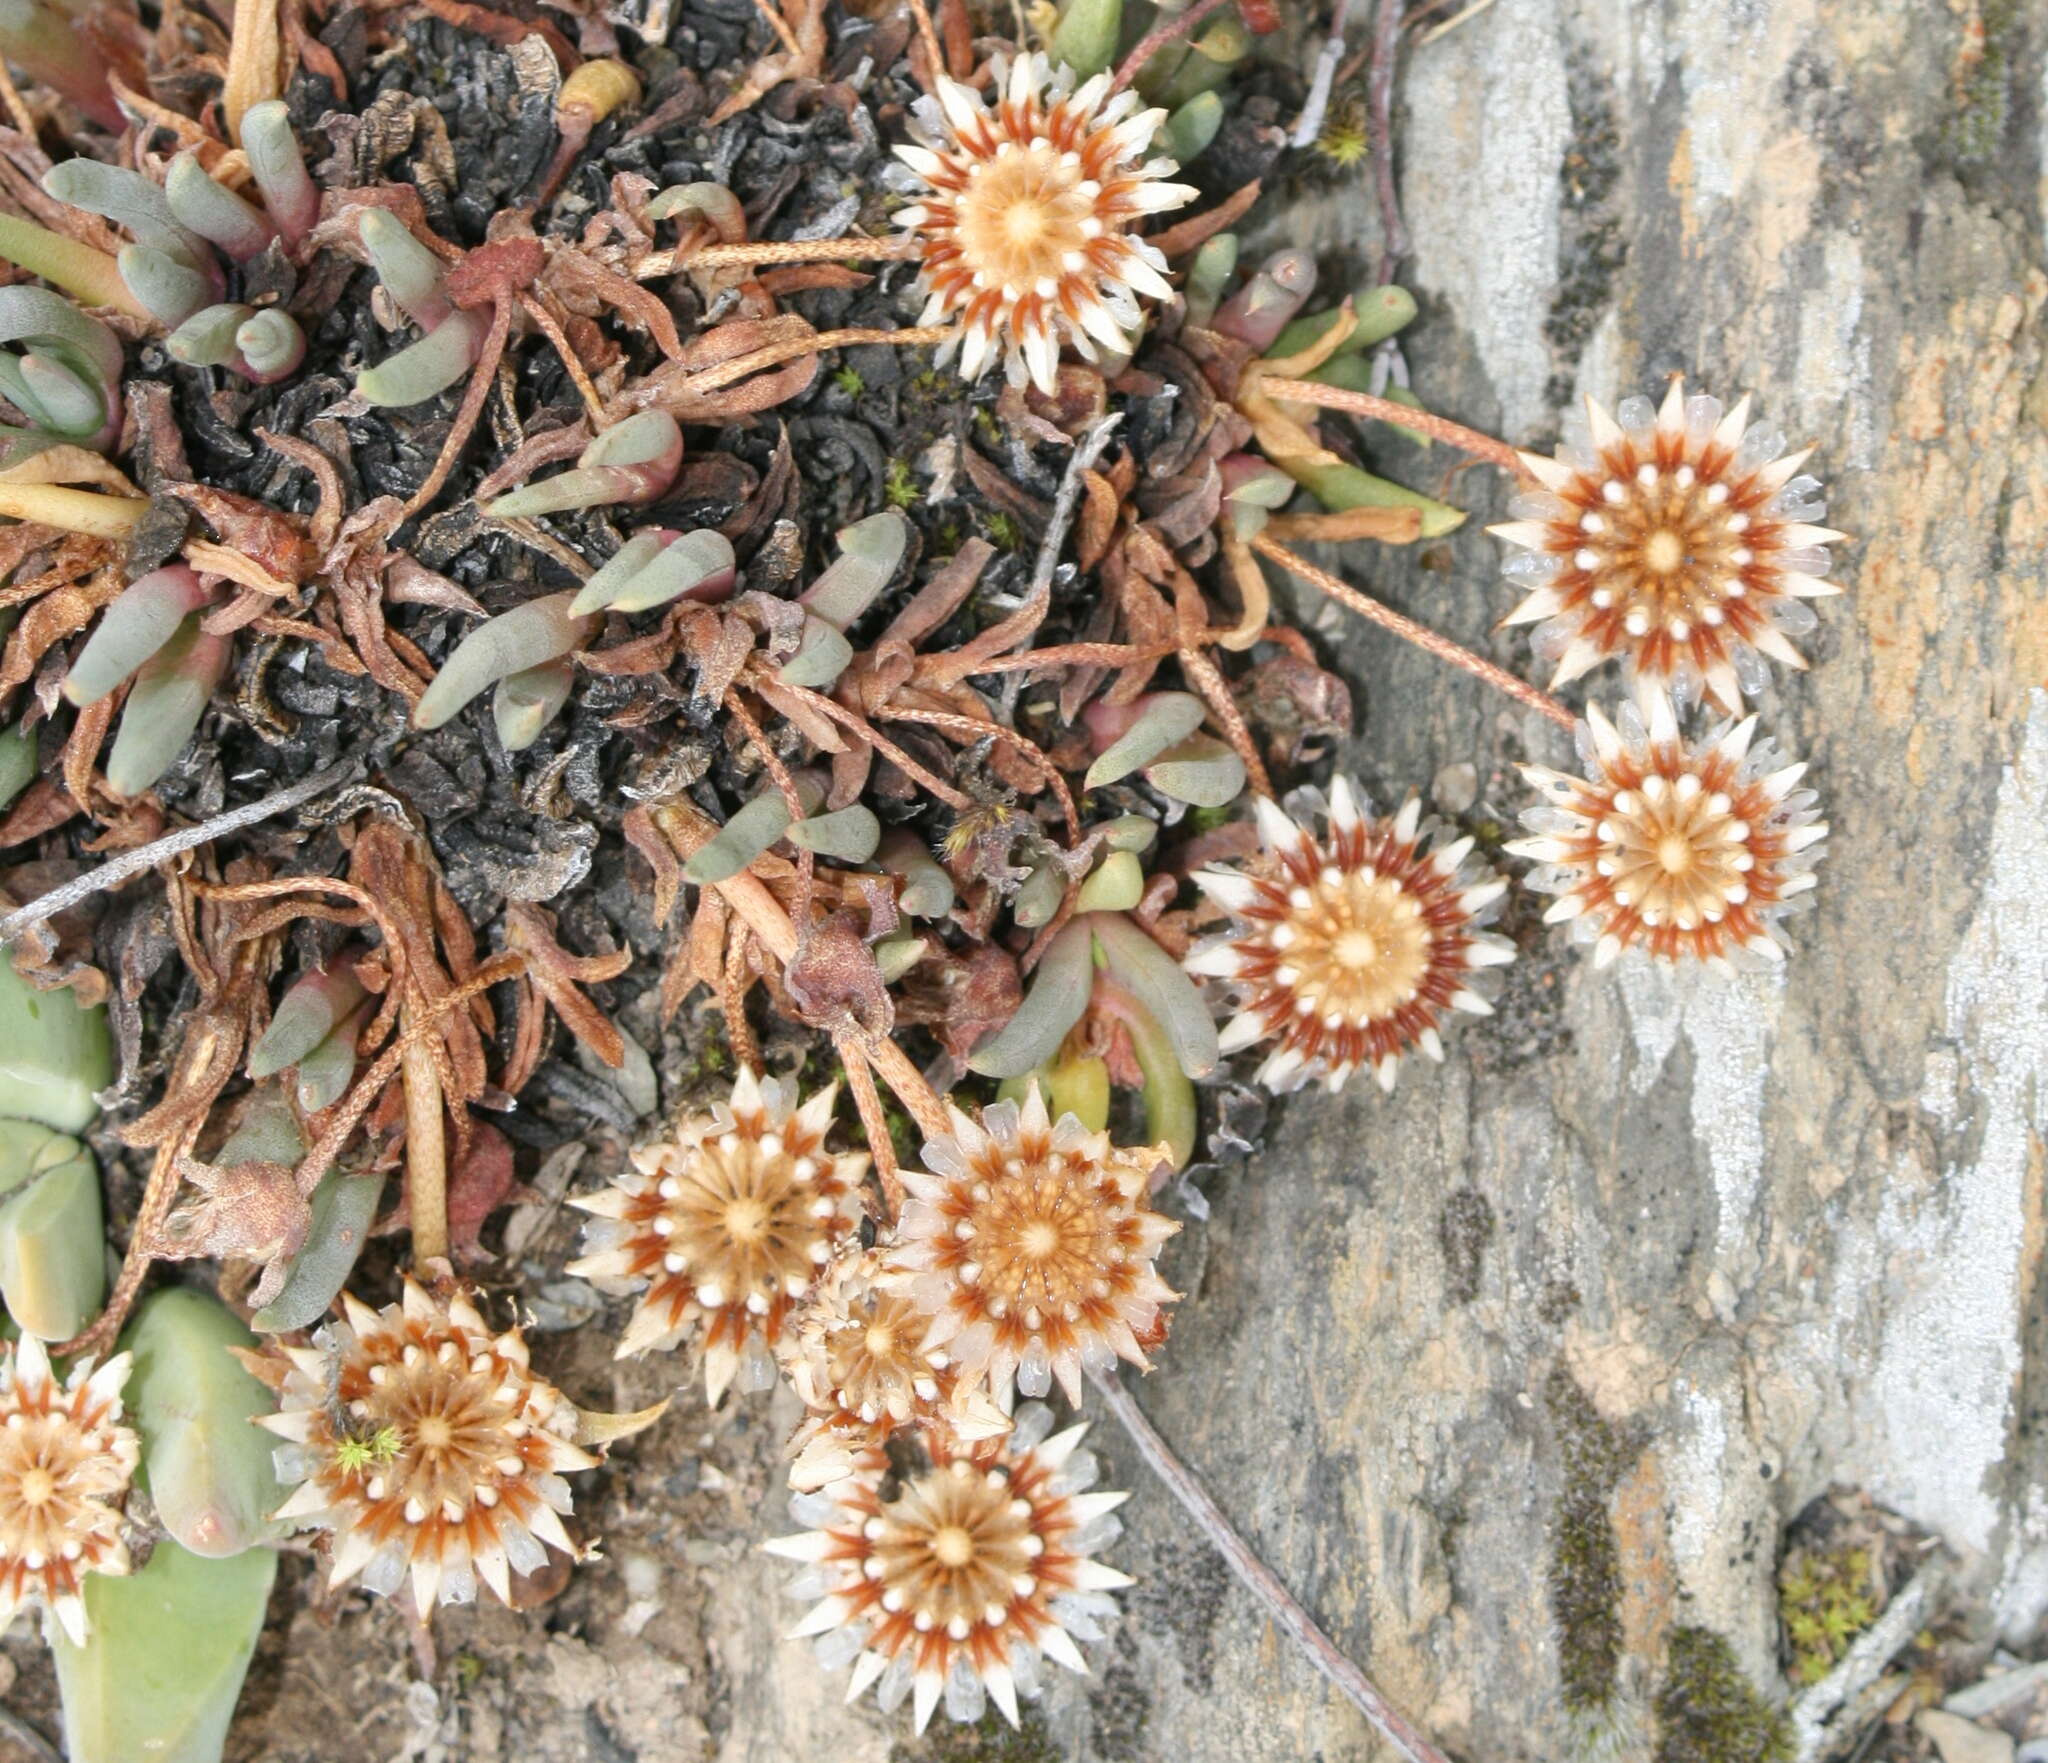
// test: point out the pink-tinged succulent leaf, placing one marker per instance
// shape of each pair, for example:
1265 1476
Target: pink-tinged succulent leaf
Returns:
412 275
289 195
528 636
271 345
312 1007
1260 310
144 617
164 706
201 205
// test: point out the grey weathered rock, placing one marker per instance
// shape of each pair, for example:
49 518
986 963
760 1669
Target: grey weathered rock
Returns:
1782 1233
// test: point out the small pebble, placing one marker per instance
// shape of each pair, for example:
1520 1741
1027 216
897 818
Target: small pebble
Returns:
1456 787
1964 1741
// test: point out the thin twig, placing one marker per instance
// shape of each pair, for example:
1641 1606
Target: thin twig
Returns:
1157 38
1452 23
1379 97
780 26
1325 77
1420 635
1260 1580
746 255
1086 452
117 870
725 373
1438 428
930 39
861 1081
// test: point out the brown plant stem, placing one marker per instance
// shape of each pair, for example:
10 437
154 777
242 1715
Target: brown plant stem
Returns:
1167 31
426 1152
748 895
1204 675
780 26
1420 635
1379 98
1260 1580
861 1081
775 354
115 871
748 254
1438 428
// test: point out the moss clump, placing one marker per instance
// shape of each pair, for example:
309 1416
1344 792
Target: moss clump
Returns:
1463 1229
849 381
989 1740
1708 1712
1826 1598
1984 101
900 489
1585 1558
1004 532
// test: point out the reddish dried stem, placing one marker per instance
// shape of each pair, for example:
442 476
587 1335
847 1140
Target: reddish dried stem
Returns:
1438 428
861 1081
760 251
1420 635
1157 38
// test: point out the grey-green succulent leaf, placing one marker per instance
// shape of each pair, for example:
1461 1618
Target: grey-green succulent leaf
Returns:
1039 895
526 637
207 338
752 829
17 761
412 275
847 835
55 1054
140 621
164 706
1166 719
927 890
1058 999
1202 771
426 368
53 1247
213 211
1116 884
343 1208
168 287
162 1666
192 1403
312 1007
697 564
1156 981
289 194
870 551
822 656
1190 129
526 702
129 200
1087 35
